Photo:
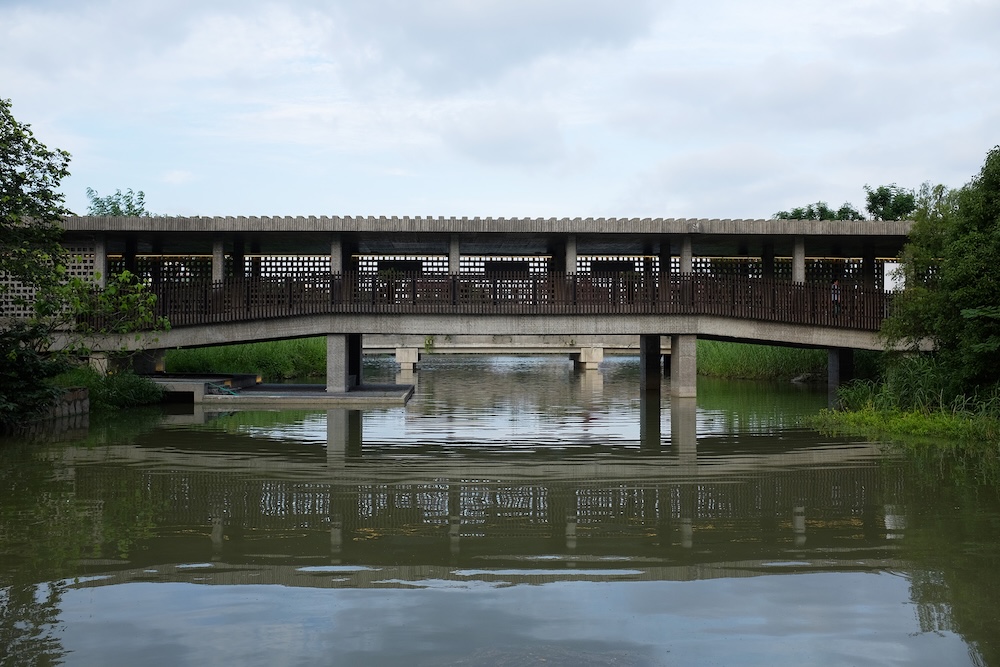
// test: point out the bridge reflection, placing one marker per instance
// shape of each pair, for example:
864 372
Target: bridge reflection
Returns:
676 506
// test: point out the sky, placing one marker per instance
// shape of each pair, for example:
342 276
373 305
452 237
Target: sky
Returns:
504 108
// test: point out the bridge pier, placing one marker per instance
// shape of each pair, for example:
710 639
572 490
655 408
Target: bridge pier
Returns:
839 368
407 358
683 365
588 358
343 362
649 362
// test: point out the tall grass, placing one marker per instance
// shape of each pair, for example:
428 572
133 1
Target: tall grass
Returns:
915 399
114 391
757 362
276 360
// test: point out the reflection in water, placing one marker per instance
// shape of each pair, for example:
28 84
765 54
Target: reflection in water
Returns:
517 511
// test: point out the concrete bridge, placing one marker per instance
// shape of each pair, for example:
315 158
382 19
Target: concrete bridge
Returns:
226 280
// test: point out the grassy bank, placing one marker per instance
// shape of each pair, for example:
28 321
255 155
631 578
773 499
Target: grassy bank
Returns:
757 362
276 360
112 392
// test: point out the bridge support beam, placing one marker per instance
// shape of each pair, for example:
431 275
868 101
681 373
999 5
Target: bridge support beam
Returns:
588 358
343 362
687 255
683 365
407 358
571 254
101 261
649 362
839 367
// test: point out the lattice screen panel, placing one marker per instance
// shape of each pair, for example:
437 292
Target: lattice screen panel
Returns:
436 264
636 263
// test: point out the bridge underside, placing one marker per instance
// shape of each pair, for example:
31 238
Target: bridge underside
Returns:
345 334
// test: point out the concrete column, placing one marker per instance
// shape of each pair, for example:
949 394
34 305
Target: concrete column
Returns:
687 254
839 368
407 358
799 260
683 365
337 373
218 260
99 362
101 261
588 358
454 255
355 359
571 254
649 362
336 254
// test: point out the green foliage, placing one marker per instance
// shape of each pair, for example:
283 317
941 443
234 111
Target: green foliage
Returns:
113 391
24 372
952 270
757 362
128 203
820 211
30 207
890 202
303 357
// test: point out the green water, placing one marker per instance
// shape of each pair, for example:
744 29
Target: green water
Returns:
514 513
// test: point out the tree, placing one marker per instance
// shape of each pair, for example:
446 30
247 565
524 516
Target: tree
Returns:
128 203
33 278
820 211
890 202
952 270
30 206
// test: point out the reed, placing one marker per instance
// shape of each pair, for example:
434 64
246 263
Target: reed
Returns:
274 360
757 362
114 391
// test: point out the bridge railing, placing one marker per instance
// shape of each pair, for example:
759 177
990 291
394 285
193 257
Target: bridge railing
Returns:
743 297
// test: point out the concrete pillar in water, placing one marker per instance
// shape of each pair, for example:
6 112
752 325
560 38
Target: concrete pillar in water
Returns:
799 260
683 365
588 358
839 369
454 255
407 358
343 362
649 361
218 259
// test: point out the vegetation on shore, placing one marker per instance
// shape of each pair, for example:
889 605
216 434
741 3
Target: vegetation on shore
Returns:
114 391
746 361
274 360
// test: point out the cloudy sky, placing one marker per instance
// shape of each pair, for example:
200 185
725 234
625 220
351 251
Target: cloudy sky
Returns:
714 108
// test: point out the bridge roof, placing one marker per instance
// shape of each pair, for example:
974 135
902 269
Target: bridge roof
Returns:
501 236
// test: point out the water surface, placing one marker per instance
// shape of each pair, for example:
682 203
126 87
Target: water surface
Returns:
515 512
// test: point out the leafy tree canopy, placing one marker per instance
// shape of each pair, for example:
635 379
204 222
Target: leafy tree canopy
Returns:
890 202
31 209
820 211
952 270
128 203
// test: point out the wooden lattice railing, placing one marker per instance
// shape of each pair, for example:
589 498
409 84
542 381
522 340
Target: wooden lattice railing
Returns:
750 298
